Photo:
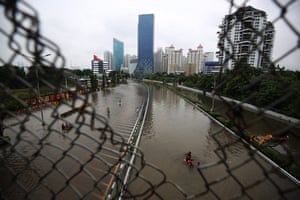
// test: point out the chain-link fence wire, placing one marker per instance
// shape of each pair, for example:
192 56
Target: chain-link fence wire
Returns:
38 160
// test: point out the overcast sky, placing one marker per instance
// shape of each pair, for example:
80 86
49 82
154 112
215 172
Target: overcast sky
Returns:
83 28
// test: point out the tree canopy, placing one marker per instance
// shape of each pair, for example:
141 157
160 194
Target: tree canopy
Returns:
277 89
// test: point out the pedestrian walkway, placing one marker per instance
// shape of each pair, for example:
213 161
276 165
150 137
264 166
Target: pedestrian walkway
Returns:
248 107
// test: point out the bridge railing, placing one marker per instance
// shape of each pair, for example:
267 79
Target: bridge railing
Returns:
120 183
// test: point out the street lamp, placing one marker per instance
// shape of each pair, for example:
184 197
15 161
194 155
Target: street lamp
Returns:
213 95
38 85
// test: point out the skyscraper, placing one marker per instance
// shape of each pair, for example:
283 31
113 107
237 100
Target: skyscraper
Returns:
108 57
246 37
145 43
158 60
118 54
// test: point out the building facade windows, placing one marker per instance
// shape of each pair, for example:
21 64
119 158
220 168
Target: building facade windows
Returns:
145 43
118 54
247 45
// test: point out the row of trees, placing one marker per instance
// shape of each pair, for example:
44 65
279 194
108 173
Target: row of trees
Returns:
23 82
14 77
278 89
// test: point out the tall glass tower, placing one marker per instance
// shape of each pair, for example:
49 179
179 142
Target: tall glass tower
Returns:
118 54
145 43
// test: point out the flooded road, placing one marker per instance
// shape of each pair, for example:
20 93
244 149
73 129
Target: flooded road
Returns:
228 168
47 162
256 123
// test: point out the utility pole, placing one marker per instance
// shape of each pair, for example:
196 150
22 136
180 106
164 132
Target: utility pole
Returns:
213 95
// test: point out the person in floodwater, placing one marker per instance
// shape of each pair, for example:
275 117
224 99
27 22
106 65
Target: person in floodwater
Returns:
188 159
66 126
108 111
188 156
271 138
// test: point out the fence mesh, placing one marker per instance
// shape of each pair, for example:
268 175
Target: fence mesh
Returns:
36 163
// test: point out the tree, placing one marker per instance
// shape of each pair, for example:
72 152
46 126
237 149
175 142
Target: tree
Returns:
94 82
9 74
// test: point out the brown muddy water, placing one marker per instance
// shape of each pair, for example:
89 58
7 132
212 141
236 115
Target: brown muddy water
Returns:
228 167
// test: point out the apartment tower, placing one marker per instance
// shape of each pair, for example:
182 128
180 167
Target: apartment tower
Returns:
246 37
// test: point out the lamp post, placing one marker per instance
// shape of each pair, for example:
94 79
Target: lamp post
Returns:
213 95
38 85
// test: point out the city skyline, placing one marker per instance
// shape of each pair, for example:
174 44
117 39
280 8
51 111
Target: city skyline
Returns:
88 30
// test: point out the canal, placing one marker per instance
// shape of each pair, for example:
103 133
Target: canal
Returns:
228 167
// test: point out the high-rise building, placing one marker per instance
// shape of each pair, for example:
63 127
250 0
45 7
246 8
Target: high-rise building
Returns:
268 44
132 64
246 37
209 56
108 57
118 54
158 60
196 57
97 66
145 43
174 60
127 58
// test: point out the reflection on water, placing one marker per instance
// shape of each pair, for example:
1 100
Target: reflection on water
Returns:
47 162
173 128
257 124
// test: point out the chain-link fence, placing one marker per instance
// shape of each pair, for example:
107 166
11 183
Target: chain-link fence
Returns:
40 161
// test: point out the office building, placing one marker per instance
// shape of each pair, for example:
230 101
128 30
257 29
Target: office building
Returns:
97 66
132 64
209 56
108 57
118 54
145 43
246 37
158 61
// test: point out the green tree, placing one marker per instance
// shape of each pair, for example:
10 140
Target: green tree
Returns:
12 76
94 82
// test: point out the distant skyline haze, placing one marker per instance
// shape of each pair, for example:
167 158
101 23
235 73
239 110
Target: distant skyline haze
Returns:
84 28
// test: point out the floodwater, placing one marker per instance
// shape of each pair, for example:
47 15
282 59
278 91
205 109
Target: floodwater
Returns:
258 124
46 162
228 167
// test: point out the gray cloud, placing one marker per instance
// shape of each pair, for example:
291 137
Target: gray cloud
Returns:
84 28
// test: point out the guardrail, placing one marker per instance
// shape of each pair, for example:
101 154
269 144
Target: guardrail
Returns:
275 165
119 185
